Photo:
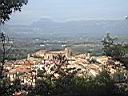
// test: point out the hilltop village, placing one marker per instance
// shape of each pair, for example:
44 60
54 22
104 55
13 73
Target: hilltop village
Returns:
26 69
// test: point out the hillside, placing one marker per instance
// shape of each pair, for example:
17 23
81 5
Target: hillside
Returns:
86 29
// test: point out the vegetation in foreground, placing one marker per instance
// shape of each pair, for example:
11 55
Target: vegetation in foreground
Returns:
69 85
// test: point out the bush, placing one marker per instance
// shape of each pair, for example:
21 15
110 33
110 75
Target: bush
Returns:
116 50
101 85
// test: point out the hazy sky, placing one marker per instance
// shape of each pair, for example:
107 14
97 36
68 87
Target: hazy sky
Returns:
71 9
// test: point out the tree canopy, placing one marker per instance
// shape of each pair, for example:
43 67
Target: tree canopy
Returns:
7 7
118 51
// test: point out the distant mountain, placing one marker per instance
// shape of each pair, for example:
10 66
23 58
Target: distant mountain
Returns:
47 28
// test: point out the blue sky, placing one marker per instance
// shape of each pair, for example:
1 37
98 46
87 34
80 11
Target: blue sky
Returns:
70 10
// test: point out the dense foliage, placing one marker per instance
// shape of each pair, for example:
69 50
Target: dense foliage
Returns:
118 51
9 6
102 85
68 85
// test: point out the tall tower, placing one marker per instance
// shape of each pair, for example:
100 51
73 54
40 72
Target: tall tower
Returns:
68 52
28 56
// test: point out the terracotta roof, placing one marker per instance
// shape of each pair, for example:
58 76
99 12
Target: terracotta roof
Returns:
19 69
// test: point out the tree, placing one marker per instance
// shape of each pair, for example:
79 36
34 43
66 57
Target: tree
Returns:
7 7
5 45
112 48
108 44
118 51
